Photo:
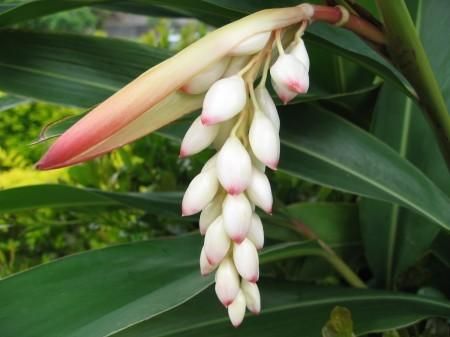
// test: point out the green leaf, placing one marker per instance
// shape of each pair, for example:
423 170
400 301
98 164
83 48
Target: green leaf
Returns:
58 196
440 248
323 148
406 49
403 236
22 11
394 237
100 292
9 101
70 69
293 309
334 223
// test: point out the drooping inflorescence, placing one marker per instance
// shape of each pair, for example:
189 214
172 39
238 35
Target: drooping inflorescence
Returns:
241 122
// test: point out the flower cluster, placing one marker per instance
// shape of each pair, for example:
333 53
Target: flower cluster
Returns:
242 123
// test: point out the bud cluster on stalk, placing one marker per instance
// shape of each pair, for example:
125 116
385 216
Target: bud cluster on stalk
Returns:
242 123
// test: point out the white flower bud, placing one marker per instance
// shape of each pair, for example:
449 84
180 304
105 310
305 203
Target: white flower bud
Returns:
205 266
256 232
264 140
197 138
236 310
259 191
227 282
298 49
252 296
200 192
237 216
224 132
267 105
210 213
251 45
245 257
210 164
236 64
203 81
217 242
289 74
234 167
224 100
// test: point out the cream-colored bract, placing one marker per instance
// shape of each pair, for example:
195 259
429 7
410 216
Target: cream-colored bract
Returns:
101 130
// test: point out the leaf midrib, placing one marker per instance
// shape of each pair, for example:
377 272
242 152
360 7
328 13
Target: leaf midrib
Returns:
328 300
367 180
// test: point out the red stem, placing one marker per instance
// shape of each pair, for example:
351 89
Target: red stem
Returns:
356 24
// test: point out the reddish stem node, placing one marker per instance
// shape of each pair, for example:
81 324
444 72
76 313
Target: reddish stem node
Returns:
356 24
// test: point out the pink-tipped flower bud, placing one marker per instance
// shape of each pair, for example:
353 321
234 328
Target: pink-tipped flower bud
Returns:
251 45
234 167
224 100
264 140
289 75
259 191
284 93
256 232
236 310
217 242
236 64
200 192
267 105
197 138
205 266
252 296
237 216
227 282
210 213
298 49
203 81
245 257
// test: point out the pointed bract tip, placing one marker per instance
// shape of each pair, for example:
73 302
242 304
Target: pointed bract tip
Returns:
253 279
272 166
206 120
238 239
234 190
296 87
182 154
188 212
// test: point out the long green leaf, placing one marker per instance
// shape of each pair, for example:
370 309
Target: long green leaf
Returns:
293 310
22 11
9 101
58 196
323 148
403 236
394 237
102 292
70 69
407 51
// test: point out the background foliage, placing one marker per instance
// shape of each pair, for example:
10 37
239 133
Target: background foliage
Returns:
361 194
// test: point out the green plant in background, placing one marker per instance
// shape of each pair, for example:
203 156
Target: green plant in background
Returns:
361 194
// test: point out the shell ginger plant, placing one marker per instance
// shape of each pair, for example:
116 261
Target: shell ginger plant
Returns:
228 74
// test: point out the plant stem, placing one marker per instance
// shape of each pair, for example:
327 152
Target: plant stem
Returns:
356 24
409 55
334 259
